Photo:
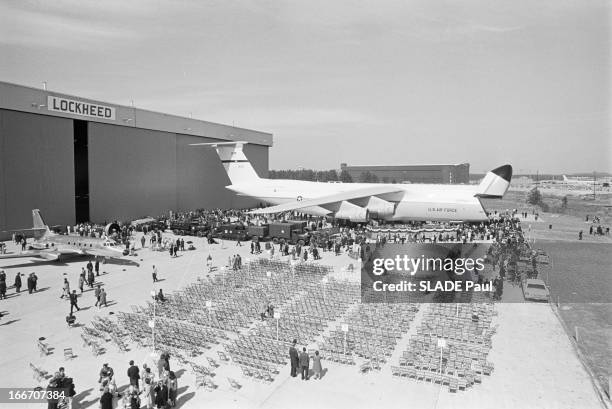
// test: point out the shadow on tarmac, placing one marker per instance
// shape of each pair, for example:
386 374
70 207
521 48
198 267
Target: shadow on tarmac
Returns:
65 259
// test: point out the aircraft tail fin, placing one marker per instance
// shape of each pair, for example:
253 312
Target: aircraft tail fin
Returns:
38 223
496 182
565 179
236 164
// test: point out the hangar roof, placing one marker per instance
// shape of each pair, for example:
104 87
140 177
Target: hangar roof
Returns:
44 102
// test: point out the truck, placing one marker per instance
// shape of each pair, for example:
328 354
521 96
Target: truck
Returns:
291 231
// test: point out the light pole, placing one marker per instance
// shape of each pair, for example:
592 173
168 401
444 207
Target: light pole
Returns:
277 315
323 283
209 305
152 322
441 345
345 329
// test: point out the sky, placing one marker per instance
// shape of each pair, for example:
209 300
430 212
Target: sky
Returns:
360 82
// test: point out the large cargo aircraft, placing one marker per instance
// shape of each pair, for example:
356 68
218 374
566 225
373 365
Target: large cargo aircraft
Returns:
50 246
360 202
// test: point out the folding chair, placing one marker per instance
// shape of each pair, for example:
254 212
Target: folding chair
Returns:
200 380
68 353
43 348
234 384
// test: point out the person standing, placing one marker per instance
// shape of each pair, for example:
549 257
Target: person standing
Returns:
66 290
18 283
81 282
161 395
102 298
304 363
160 365
73 302
316 365
90 278
155 274
106 400
143 241
30 283
293 357
97 294
2 289
172 388
148 392
97 267
133 373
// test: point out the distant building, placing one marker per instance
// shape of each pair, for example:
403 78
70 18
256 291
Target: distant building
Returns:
445 174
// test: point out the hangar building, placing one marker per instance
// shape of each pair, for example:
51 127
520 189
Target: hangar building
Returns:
80 160
446 174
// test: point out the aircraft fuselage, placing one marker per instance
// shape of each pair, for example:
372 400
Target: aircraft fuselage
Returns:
412 202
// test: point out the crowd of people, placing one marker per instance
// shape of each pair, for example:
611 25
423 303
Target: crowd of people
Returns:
31 281
145 388
504 229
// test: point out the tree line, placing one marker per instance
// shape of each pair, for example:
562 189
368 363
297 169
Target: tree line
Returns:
327 176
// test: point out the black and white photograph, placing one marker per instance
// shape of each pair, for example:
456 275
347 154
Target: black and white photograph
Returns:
305 204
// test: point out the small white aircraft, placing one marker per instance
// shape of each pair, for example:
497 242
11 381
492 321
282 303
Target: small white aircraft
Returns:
360 202
51 246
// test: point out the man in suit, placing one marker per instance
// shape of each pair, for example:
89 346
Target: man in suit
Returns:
73 302
304 363
293 356
133 373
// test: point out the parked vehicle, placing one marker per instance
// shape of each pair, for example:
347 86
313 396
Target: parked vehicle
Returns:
535 289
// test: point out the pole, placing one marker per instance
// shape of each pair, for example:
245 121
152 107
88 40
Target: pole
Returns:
277 329
153 327
440 360
345 343
576 332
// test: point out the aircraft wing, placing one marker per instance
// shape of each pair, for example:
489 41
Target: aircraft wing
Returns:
47 255
100 253
69 251
328 200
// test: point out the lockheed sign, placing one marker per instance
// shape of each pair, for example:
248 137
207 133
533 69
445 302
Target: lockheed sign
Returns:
71 106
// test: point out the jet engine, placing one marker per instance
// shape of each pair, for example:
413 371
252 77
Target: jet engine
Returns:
381 208
352 212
